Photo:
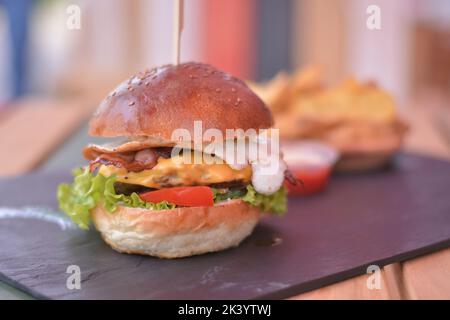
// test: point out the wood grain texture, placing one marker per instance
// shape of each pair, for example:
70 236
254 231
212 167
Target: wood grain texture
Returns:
31 129
356 288
428 277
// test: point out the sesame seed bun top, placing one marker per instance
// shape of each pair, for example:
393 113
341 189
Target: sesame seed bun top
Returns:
156 102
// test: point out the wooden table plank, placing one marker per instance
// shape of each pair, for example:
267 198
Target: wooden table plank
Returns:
357 289
428 277
31 129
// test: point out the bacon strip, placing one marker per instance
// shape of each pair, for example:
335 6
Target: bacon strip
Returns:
122 160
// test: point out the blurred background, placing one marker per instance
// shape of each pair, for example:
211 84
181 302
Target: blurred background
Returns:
59 58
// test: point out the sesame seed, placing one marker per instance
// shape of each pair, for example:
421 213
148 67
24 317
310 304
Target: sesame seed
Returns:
131 103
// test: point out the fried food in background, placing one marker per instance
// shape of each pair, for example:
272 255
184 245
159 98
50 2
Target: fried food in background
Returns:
358 119
280 91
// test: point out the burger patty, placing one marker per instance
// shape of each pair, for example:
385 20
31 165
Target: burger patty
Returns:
172 172
229 184
154 168
127 189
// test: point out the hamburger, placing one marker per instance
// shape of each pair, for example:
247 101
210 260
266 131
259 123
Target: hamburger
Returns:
145 192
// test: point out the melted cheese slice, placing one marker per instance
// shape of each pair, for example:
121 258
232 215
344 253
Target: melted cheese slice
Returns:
173 172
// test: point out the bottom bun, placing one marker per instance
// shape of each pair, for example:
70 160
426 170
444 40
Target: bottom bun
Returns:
179 232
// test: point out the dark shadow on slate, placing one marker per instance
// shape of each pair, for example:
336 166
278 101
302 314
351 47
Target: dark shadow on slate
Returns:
362 219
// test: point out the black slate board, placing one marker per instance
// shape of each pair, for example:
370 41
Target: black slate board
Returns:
360 220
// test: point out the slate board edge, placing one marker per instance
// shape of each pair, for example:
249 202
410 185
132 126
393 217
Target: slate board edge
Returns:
348 274
21 287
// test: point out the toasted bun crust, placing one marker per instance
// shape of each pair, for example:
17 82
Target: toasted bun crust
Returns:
176 233
156 102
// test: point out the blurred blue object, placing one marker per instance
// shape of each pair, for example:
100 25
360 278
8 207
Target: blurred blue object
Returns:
275 25
18 13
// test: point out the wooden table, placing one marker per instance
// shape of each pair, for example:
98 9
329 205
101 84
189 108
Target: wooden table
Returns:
34 130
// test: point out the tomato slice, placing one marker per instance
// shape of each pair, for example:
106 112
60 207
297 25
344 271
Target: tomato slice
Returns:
198 196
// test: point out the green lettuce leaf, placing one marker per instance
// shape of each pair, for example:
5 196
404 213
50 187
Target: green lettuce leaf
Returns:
274 203
87 190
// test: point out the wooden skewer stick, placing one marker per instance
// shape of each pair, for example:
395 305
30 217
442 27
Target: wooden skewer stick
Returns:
177 29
